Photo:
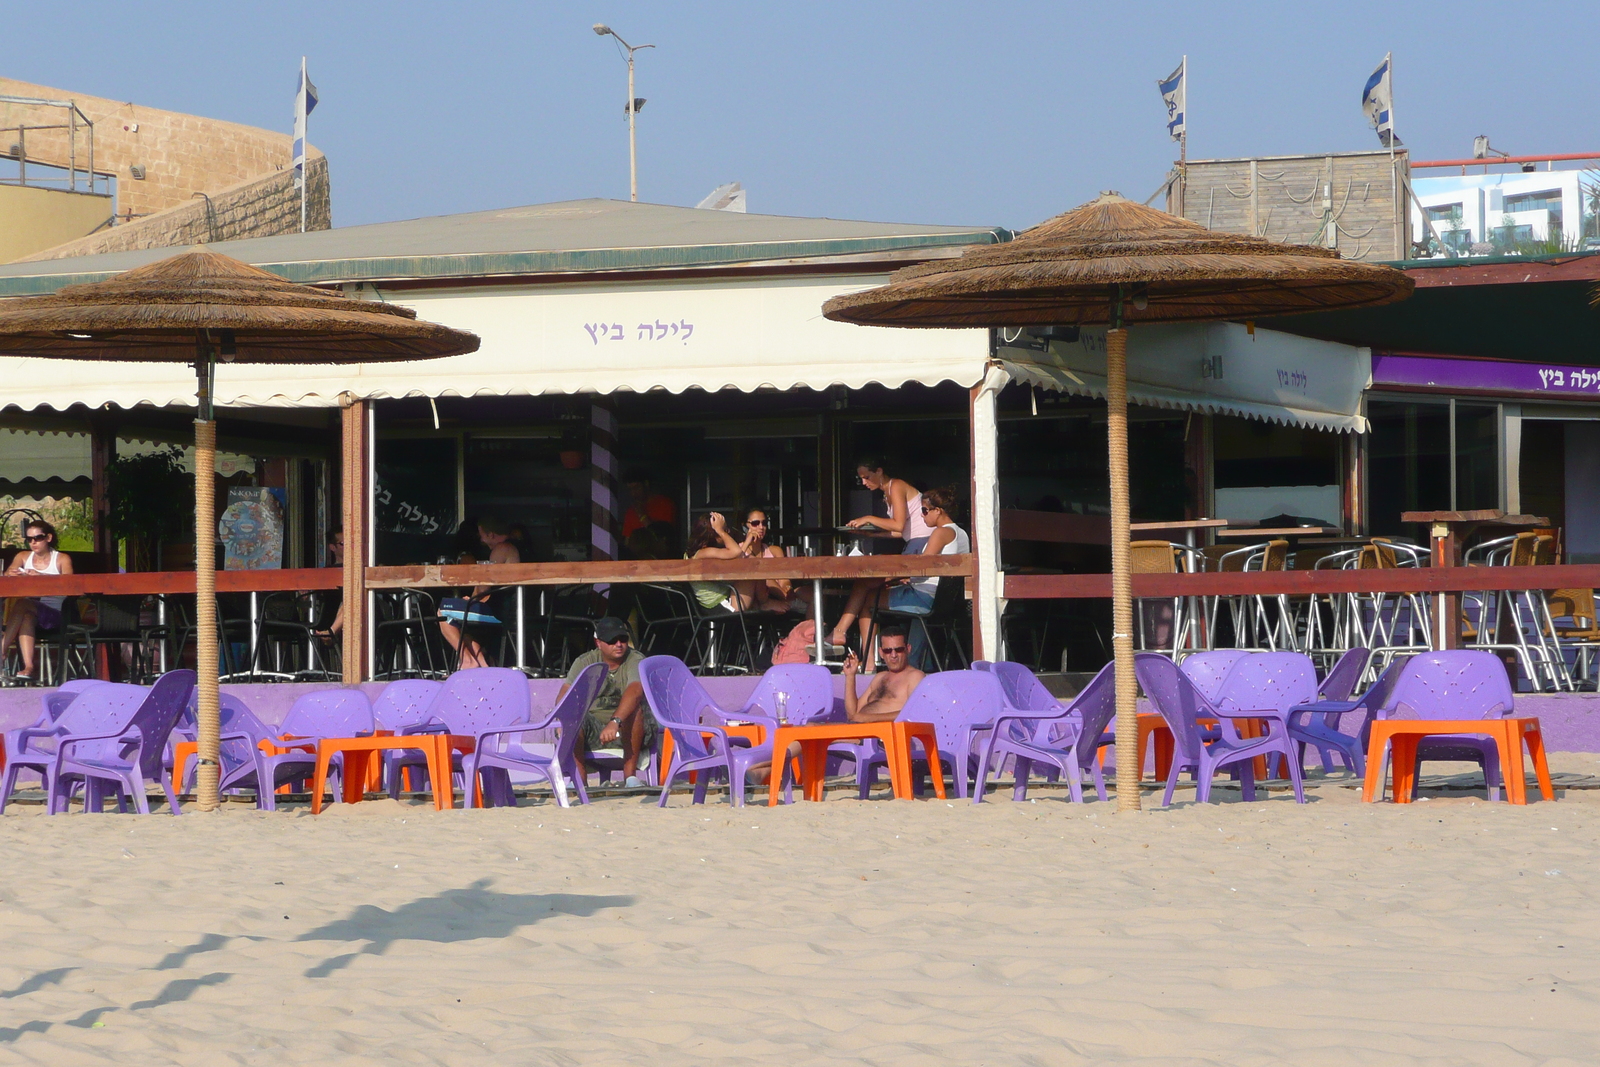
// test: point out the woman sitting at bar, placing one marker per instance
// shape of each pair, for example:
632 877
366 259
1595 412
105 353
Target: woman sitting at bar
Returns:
710 539
904 502
495 535
780 591
915 595
29 615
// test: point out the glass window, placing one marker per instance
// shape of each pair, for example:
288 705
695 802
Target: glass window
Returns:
1408 463
1477 456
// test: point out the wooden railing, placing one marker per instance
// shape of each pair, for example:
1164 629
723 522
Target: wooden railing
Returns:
1301 583
145 582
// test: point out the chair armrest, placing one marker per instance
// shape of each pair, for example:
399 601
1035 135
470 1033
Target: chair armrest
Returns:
431 726
1257 713
519 728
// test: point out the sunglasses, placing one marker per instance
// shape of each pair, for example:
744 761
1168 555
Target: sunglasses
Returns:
887 651
926 510
756 522
37 537
618 641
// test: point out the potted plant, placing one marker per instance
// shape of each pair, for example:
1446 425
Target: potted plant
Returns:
151 499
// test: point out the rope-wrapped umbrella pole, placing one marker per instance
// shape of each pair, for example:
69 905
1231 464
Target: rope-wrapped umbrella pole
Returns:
196 307
1118 264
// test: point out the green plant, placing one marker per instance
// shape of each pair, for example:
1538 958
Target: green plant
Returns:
150 498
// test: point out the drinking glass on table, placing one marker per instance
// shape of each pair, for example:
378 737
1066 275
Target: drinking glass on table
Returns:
782 702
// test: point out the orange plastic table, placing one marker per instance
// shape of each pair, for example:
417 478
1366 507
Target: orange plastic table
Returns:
360 753
1403 735
184 751
1152 725
752 730
895 735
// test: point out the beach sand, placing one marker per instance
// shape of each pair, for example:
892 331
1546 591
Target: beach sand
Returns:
1448 932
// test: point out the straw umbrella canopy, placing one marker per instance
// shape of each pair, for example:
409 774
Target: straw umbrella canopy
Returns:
1117 264
198 307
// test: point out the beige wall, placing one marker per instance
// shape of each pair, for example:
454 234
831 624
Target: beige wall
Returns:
33 219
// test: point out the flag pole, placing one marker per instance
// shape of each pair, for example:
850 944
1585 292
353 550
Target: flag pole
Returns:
300 106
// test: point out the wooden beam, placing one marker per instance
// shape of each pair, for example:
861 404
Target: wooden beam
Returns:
354 495
171 582
827 568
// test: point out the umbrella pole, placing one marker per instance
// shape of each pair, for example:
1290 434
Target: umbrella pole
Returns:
208 726
1128 755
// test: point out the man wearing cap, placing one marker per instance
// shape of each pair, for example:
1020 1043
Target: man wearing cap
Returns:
618 714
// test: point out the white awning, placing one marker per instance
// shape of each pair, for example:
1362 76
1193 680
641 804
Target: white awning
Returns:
744 334
29 456
1218 368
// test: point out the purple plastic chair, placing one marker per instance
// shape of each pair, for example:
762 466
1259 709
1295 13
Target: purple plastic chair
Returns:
313 716
1209 670
467 703
127 757
1181 703
1037 728
404 703
34 748
808 692
1461 684
1316 723
682 706
496 753
52 702
234 717
962 707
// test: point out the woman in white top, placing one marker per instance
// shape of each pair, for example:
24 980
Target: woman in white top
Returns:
29 615
915 595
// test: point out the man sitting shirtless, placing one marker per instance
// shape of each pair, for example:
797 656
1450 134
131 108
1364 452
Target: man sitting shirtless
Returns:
885 696
890 688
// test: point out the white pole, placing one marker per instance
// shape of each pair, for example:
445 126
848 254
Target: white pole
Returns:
633 153
305 137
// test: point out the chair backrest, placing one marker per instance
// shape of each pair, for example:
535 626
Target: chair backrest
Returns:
569 711
1176 698
481 698
53 702
948 596
1345 675
1095 705
1208 670
237 718
1276 556
1152 557
1574 604
107 708
1377 556
1021 686
405 702
1277 680
808 690
329 713
156 717
954 702
678 701
1460 684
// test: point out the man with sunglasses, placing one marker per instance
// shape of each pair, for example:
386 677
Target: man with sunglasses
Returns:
618 714
890 688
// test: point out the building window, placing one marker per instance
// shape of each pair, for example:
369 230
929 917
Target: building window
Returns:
1430 455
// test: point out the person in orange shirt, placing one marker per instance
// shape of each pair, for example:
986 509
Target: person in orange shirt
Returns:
645 507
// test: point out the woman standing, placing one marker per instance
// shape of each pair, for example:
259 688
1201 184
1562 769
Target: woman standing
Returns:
904 502
31 614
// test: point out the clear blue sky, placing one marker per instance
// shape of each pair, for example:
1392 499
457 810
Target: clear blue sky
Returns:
994 113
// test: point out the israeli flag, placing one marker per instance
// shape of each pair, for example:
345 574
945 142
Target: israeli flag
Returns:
1377 100
305 102
1172 94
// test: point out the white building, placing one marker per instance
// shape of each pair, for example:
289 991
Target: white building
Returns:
1497 214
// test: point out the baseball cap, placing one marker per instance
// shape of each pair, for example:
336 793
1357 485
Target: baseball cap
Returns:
610 629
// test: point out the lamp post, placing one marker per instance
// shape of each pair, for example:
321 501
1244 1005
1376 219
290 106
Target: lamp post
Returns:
633 106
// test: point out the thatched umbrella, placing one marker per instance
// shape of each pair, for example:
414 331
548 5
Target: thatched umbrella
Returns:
198 307
1115 263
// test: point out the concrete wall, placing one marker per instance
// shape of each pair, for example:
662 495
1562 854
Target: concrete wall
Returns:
244 170
261 207
33 218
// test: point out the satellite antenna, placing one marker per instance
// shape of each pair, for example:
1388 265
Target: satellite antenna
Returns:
729 196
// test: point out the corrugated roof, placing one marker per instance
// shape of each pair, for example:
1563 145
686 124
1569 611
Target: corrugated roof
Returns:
568 237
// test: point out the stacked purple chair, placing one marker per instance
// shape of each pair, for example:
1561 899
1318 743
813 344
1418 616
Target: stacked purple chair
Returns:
312 717
682 706
1035 727
467 703
1181 703
1461 684
126 756
107 711
496 753
238 723
962 707
1272 682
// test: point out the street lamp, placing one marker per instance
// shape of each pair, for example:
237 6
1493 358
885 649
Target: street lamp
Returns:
632 107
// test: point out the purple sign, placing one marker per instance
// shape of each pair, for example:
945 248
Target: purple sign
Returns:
1486 376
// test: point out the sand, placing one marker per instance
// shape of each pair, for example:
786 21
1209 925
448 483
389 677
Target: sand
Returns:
1449 932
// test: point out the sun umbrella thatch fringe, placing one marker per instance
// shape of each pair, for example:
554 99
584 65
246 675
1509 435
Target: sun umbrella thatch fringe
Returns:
1115 263
193 308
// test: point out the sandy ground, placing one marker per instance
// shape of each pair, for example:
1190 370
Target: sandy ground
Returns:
1450 932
